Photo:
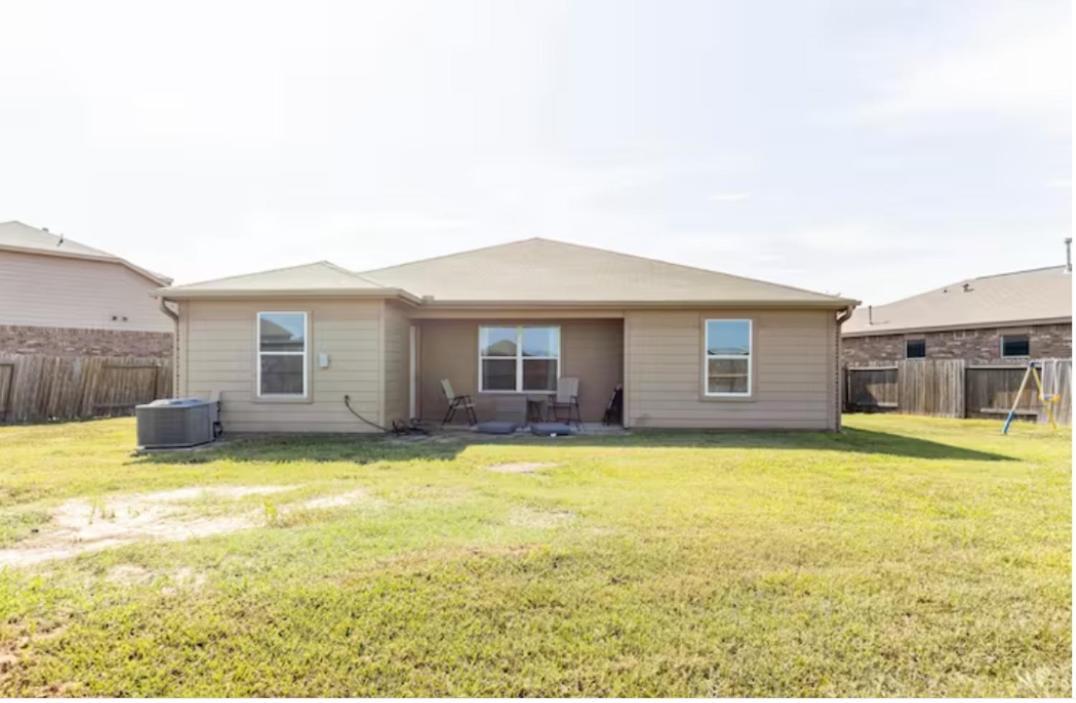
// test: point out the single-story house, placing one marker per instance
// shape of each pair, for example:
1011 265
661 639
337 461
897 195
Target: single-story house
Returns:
1001 319
63 298
692 348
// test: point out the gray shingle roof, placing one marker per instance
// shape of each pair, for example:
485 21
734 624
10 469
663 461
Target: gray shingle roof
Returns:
545 271
528 272
1013 298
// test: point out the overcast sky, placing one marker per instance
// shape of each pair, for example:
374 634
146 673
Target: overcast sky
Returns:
874 149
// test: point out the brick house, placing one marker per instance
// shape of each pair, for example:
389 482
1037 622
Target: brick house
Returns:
60 297
1006 318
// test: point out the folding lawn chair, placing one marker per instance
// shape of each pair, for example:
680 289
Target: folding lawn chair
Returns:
614 409
457 402
567 398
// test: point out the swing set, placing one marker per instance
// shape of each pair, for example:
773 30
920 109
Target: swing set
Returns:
1047 401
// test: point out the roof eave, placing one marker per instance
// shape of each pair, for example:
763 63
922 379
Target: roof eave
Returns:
179 293
833 304
878 332
247 294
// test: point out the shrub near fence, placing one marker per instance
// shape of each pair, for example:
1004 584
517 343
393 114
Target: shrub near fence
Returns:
36 388
950 388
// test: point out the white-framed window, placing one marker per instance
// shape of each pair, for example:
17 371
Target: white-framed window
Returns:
282 349
1015 345
518 358
727 358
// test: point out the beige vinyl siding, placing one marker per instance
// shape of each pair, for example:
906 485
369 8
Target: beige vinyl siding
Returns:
397 336
793 366
218 353
52 291
659 354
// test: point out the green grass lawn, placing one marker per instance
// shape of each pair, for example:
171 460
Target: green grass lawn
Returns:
906 556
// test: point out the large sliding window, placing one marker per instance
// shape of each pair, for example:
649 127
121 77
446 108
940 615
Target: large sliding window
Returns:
282 352
523 358
727 358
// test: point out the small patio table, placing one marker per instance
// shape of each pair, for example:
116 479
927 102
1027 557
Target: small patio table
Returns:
536 408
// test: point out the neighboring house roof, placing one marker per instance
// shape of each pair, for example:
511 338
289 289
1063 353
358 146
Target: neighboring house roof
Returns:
18 237
528 272
1021 297
319 279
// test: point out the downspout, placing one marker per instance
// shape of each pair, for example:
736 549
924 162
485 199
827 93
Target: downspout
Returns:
175 343
842 317
169 311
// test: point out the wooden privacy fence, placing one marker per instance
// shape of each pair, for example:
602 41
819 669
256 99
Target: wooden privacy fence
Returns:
871 389
951 388
932 388
1057 378
36 388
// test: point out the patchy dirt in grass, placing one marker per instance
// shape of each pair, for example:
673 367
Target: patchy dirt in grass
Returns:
304 512
80 526
523 467
541 519
337 501
129 574
184 579
188 577
191 493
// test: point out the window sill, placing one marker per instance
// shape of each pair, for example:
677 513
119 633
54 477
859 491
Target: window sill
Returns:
283 400
707 398
517 392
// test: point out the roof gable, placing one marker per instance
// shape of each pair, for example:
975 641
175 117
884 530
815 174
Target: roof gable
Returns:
318 278
19 237
545 271
1008 298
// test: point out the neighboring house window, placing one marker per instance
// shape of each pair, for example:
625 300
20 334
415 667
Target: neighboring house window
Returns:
282 354
728 358
518 359
1015 345
915 348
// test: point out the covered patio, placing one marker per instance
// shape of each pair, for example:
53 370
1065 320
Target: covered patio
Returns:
510 366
